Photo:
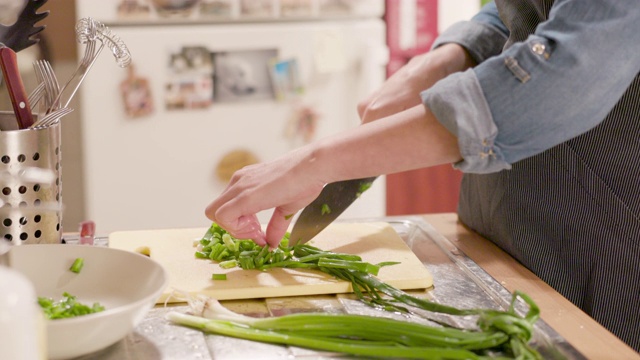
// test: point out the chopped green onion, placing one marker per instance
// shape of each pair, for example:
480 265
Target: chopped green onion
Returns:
246 263
77 265
228 264
364 187
219 277
67 307
228 242
325 209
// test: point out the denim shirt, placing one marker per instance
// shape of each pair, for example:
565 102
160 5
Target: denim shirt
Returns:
528 95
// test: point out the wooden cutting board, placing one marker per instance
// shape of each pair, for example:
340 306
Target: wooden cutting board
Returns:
374 242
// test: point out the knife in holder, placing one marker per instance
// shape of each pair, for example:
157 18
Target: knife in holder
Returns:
15 87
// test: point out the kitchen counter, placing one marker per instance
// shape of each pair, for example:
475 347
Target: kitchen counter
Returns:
580 330
468 270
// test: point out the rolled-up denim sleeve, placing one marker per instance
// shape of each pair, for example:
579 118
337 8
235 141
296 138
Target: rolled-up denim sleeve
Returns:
557 84
483 36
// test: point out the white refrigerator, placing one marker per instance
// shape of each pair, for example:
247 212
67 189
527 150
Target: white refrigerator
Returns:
212 89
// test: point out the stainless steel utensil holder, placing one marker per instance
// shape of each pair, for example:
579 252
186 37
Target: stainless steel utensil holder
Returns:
31 209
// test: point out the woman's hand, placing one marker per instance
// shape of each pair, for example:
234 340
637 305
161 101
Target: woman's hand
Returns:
286 184
402 90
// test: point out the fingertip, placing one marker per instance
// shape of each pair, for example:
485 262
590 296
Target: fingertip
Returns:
273 241
216 212
278 226
260 241
209 213
260 238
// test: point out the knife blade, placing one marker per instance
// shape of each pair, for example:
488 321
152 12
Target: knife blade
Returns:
333 200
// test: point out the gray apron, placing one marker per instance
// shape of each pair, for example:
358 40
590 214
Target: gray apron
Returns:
572 213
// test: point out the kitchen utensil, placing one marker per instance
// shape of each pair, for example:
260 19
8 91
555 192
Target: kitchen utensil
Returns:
36 94
37 71
87 232
51 118
19 35
100 280
44 73
88 31
46 95
33 176
375 242
333 200
28 216
15 87
90 55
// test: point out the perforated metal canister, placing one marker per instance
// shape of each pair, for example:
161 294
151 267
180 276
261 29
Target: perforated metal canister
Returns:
31 205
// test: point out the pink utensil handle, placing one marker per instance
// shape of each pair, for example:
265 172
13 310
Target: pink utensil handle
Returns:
15 87
87 232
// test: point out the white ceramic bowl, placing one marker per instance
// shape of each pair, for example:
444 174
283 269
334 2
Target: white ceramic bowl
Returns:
125 283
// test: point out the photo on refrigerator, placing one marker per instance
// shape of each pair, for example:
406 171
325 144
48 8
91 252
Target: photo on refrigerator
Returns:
243 75
190 81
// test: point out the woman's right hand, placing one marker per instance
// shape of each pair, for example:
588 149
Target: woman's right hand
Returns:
286 184
402 90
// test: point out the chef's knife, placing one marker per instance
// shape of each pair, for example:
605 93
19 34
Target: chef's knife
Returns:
333 200
15 87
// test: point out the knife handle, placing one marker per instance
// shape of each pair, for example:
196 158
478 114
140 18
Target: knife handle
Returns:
15 87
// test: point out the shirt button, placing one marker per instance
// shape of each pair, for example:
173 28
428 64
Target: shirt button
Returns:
538 48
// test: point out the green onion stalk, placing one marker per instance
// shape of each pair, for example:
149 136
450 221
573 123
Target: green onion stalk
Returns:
499 333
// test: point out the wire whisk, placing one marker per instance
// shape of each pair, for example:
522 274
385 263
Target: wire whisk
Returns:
89 32
89 29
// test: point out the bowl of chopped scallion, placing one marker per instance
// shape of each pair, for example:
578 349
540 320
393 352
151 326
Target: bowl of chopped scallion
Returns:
91 296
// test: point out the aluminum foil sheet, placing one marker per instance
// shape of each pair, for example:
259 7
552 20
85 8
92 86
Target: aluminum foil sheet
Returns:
458 282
